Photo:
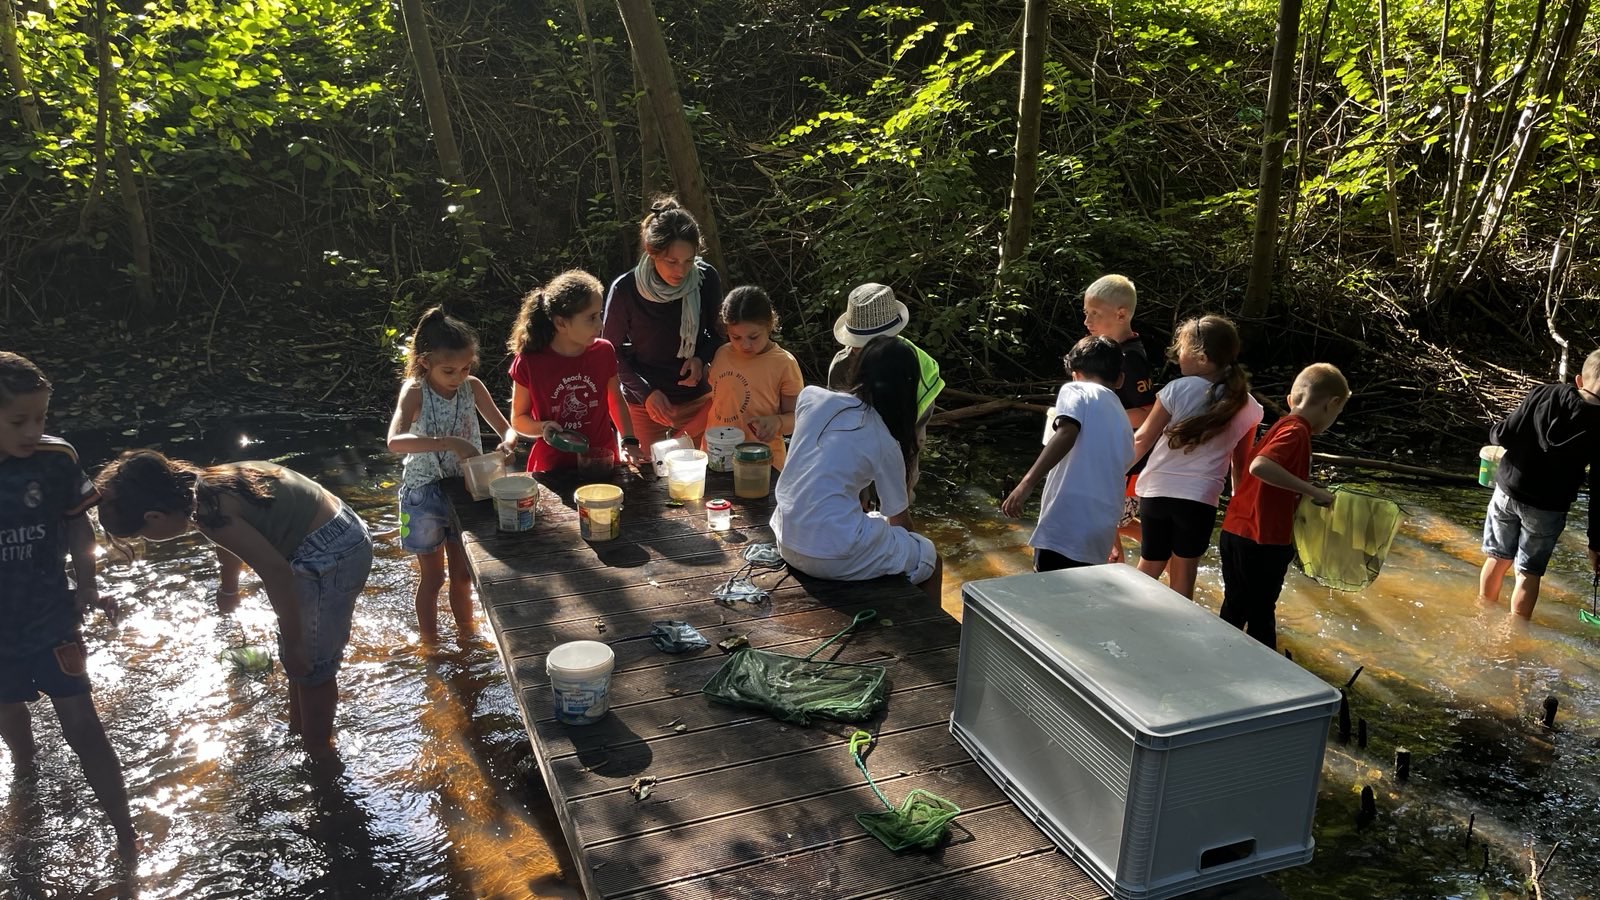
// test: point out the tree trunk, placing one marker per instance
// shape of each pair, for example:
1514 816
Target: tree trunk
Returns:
650 165
1390 185
27 103
1258 292
138 231
1025 170
655 68
608 134
104 78
415 21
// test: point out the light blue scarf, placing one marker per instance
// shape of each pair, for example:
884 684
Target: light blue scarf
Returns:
654 288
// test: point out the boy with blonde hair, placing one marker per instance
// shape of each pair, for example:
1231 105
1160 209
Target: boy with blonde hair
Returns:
1550 439
1257 542
1108 307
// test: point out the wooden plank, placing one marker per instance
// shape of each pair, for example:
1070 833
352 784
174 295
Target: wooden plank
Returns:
743 805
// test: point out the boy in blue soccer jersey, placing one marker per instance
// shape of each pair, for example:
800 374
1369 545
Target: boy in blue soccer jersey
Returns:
44 502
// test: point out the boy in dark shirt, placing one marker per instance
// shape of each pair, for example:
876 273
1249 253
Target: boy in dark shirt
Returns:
1108 307
44 503
1550 440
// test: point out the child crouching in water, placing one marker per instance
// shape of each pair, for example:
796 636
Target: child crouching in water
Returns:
754 382
44 505
564 375
1082 465
1257 542
1200 425
435 424
842 443
311 551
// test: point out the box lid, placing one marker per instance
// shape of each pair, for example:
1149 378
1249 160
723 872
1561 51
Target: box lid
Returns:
1166 664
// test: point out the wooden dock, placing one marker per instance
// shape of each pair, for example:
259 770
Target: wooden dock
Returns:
742 805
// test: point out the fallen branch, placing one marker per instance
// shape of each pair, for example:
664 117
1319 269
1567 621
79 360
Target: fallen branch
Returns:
1357 462
989 405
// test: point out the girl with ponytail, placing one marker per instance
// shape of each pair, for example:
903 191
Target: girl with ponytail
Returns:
1200 426
435 424
564 375
844 442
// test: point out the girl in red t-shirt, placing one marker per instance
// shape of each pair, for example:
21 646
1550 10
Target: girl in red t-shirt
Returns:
564 376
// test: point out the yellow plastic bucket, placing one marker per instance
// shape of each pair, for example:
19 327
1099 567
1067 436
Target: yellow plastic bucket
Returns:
599 511
1489 463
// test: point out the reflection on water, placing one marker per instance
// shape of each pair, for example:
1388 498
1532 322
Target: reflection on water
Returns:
440 800
1460 687
436 795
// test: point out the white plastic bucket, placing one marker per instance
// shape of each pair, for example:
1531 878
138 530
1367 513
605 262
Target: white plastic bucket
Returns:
580 678
719 447
660 449
516 501
686 476
599 507
481 471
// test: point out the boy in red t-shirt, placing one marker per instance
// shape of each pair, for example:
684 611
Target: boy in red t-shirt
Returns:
1257 542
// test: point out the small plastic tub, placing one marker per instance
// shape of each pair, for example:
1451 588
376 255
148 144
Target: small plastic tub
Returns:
580 679
719 515
599 509
719 447
1489 463
481 471
516 501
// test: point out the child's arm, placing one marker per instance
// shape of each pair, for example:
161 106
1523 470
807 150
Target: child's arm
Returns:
403 440
491 413
1241 455
228 567
1271 472
620 413
80 546
1154 424
277 578
766 428
1060 445
522 419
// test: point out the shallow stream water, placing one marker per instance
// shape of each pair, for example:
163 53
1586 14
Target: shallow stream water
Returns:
439 798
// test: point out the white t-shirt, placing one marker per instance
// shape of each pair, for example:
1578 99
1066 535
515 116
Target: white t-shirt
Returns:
1194 473
839 446
1082 498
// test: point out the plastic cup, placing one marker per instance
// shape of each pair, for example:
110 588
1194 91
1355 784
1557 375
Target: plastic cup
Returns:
598 462
480 471
686 475
1489 463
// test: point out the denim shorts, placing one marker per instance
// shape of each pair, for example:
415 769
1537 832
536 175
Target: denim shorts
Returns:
1513 530
24 678
330 571
426 518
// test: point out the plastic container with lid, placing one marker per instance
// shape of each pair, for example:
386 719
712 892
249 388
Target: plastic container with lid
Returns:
719 515
752 470
720 443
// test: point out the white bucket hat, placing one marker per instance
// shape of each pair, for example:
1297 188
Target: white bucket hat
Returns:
872 311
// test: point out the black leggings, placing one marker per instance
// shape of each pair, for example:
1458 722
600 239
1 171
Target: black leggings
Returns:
1051 561
1252 579
1171 526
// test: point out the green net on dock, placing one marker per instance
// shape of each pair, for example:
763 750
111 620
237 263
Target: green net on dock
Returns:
799 688
920 821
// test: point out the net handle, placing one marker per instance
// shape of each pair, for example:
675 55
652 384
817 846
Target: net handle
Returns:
857 741
863 616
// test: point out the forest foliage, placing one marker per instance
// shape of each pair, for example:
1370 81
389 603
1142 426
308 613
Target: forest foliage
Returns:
279 154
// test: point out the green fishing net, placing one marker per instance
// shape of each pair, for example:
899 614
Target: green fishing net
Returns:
1343 546
798 689
921 820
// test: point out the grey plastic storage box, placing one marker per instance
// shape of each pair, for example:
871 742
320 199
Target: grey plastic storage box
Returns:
1157 745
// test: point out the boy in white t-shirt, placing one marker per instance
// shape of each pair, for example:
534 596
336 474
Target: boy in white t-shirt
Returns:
1085 458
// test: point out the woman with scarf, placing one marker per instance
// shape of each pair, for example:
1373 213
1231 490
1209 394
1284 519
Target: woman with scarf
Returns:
663 319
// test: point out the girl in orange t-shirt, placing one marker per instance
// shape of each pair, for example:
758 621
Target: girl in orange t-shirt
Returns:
754 382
